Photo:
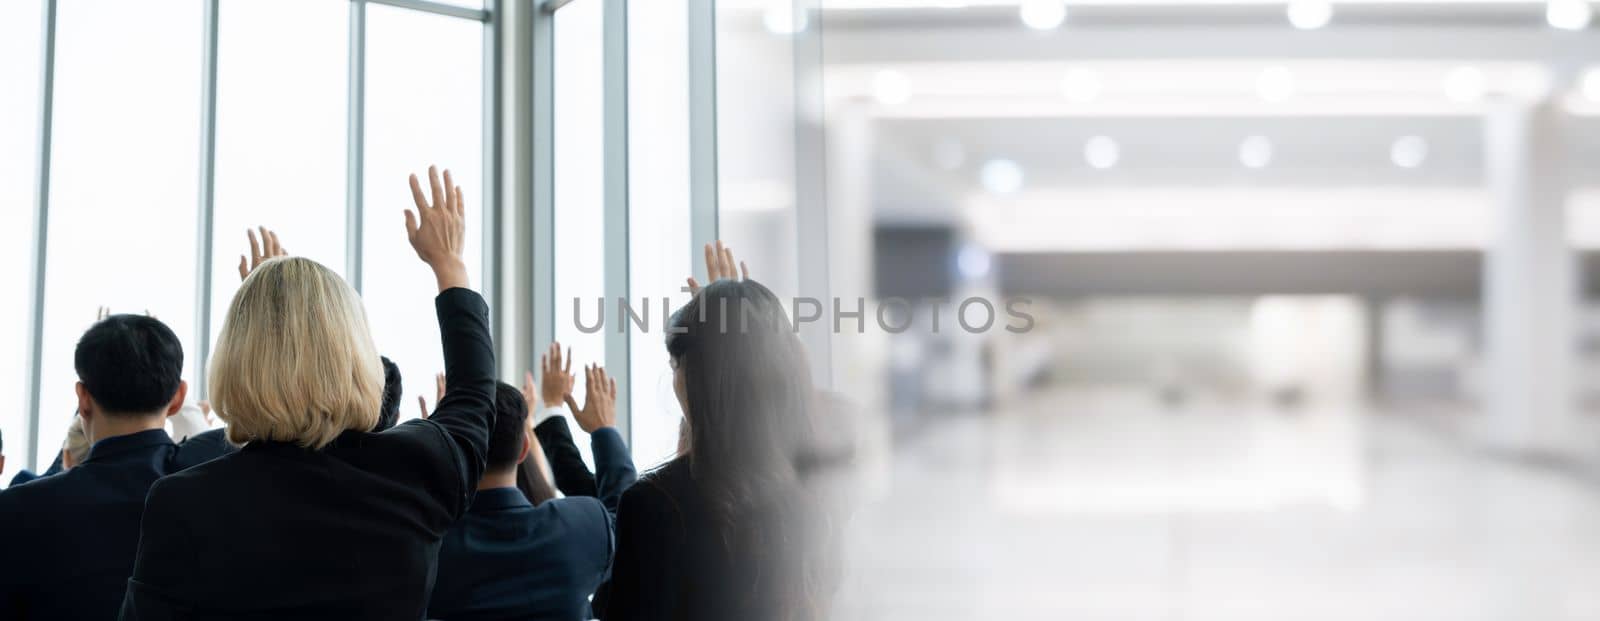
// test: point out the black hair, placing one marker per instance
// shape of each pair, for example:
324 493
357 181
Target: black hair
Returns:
510 420
749 409
393 391
130 364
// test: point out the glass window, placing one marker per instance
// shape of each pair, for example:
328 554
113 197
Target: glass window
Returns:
579 185
658 187
123 180
280 150
424 102
21 27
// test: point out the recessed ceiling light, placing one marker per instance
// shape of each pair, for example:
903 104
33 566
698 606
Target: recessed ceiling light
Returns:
1101 152
1465 84
1408 151
1568 14
891 88
1275 84
1001 176
1255 152
1309 14
1042 14
1080 85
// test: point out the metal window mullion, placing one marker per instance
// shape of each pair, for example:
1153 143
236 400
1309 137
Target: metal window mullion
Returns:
41 231
492 217
810 187
355 142
702 126
439 8
206 208
614 76
542 224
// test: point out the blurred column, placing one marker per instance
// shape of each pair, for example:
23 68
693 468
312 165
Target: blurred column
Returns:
1529 288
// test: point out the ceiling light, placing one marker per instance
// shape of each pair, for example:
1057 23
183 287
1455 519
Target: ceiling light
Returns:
1275 84
783 19
1001 177
891 88
1310 14
1080 85
1042 14
1408 151
1568 14
1101 152
1255 152
1465 84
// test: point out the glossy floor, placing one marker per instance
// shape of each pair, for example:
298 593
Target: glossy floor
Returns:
1089 506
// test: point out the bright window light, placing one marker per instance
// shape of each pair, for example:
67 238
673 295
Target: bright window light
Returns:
891 88
1275 84
1408 151
1080 85
1001 177
1101 152
1591 85
1255 152
1042 14
1465 84
1568 14
1310 14
19 147
782 19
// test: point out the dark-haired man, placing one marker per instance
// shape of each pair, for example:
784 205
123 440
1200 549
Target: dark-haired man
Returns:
509 559
70 539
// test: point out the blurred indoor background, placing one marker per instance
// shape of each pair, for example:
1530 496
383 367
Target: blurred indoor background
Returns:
1314 332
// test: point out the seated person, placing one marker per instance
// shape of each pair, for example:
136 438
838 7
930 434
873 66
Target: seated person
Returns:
70 539
389 412
509 559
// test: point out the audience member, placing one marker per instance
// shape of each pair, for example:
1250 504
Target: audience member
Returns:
393 392
70 539
728 530
316 516
510 559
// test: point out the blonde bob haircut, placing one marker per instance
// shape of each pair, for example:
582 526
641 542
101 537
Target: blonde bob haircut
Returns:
295 360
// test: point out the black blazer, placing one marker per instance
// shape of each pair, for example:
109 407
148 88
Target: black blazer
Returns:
350 531
507 559
566 463
69 539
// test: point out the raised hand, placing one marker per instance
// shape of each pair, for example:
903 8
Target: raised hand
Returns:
438 385
719 265
555 380
260 250
438 229
599 401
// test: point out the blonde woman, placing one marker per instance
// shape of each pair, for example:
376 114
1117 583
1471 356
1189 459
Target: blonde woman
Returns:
315 516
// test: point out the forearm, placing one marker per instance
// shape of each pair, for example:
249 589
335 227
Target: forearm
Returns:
467 409
614 469
566 464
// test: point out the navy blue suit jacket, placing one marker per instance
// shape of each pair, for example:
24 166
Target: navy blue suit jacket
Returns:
69 539
507 559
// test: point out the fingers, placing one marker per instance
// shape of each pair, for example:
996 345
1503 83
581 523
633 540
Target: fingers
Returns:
274 247
567 369
422 402
727 263
450 193
711 262
438 190
613 388
411 224
255 248
461 203
744 271
416 194
528 387
244 267
694 286
438 381
572 406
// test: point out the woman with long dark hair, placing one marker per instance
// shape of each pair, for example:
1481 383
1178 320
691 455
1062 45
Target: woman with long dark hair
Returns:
728 529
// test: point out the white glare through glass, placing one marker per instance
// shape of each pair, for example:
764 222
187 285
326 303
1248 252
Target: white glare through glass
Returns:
658 187
280 135
21 26
580 188
123 181
424 105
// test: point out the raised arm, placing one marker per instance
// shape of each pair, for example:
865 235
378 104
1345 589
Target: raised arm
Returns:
466 411
545 402
613 466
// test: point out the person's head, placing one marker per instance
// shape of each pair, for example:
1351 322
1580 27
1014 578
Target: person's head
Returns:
741 376
295 361
393 391
2 451
508 443
130 370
